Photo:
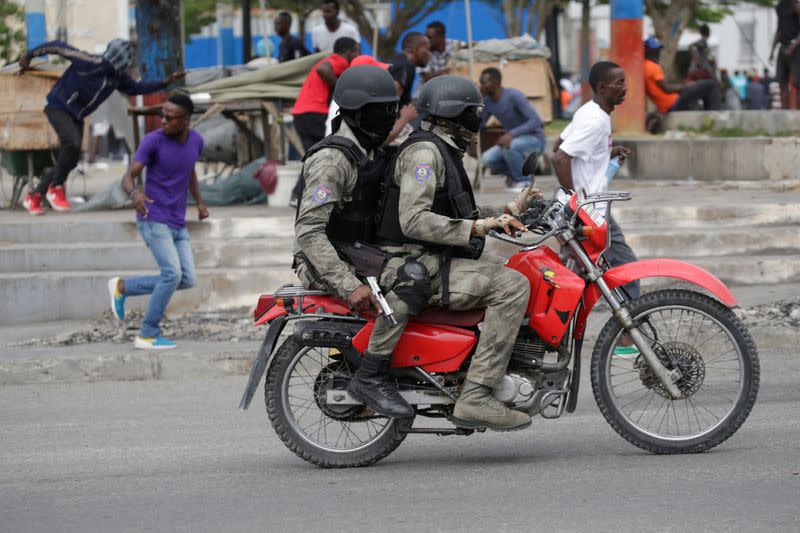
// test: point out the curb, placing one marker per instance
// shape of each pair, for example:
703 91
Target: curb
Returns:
146 365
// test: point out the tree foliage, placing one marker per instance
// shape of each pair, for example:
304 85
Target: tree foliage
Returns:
515 11
198 14
405 14
12 30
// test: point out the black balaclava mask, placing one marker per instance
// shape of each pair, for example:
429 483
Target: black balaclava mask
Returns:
371 124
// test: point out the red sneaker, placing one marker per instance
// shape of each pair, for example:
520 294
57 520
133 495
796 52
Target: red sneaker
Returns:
33 203
57 197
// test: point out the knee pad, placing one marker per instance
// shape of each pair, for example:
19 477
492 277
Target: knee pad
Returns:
413 285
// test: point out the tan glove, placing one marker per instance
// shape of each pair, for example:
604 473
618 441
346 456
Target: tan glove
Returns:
506 222
522 202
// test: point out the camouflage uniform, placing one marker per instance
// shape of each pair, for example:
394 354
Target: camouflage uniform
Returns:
473 284
330 179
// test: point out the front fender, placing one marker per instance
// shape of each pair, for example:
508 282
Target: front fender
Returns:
652 268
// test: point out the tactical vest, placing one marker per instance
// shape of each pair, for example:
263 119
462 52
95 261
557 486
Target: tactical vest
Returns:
357 219
455 200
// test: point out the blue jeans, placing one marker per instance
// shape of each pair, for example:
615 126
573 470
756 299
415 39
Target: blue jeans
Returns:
172 250
508 160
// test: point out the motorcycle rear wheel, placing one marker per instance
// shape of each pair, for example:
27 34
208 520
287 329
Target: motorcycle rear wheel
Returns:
327 436
717 358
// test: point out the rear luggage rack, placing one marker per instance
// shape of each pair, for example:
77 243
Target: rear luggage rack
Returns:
296 289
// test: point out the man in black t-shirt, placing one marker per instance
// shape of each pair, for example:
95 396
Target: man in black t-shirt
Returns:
788 36
416 52
291 47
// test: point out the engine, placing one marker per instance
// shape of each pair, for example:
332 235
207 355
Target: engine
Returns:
530 379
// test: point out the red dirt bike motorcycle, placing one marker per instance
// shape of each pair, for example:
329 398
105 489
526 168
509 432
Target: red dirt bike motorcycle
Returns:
690 387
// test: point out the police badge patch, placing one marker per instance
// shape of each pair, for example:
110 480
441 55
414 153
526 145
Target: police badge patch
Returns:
321 194
422 172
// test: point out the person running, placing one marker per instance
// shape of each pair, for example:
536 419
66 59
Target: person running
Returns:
582 155
169 154
87 83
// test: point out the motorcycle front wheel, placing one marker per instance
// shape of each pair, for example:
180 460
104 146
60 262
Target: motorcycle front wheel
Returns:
330 436
715 355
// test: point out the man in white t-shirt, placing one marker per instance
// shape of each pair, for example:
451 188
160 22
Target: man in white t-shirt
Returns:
324 35
584 149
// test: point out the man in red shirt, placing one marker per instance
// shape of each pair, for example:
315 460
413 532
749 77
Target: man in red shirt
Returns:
311 108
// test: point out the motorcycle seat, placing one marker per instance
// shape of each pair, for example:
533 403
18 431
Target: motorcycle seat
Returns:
438 315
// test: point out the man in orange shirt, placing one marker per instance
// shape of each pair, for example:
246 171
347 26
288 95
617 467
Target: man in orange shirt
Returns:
311 107
672 96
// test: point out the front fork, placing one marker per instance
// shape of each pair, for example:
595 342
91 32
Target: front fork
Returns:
668 378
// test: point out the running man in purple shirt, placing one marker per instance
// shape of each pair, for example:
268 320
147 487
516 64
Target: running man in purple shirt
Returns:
524 134
169 155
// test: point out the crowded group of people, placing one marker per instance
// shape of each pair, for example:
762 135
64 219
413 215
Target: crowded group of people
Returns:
708 87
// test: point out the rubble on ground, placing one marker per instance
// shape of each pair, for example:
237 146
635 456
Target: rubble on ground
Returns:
226 325
785 313
236 325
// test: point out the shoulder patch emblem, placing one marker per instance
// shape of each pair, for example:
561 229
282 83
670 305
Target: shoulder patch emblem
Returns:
422 172
321 194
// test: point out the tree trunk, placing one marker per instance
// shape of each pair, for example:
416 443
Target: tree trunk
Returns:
669 23
508 15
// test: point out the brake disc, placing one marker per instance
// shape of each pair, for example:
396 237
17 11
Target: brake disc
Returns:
673 355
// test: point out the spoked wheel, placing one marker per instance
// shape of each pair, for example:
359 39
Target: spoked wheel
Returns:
716 357
298 381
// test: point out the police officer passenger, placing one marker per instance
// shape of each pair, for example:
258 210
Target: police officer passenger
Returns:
343 175
436 232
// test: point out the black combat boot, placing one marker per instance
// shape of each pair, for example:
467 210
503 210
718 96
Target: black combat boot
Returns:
374 385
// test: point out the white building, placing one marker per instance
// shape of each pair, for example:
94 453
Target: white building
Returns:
90 23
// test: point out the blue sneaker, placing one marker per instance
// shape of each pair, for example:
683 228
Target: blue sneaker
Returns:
153 343
117 299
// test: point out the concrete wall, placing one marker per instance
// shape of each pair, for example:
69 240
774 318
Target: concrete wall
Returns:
767 122
751 158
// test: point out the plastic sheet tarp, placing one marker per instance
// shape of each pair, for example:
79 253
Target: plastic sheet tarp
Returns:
274 81
493 50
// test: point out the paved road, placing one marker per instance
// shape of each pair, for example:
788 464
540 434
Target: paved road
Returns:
178 456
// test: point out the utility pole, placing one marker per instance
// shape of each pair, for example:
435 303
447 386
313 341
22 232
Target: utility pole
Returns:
551 39
247 33
627 51
159 47
586 30
159 38
61 20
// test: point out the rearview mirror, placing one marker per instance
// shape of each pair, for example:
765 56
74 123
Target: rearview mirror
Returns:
530 164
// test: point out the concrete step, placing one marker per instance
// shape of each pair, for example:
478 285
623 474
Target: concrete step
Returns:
276 251
38 297
713 241
705 216
760 270
46 257
118 227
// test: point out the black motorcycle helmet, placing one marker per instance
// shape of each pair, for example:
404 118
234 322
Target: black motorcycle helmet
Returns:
367 103
364 84
448 96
